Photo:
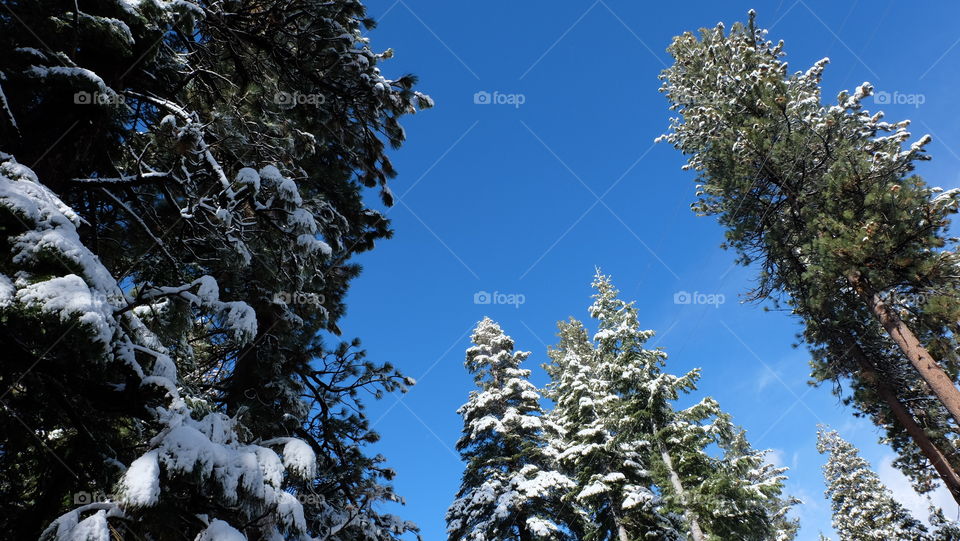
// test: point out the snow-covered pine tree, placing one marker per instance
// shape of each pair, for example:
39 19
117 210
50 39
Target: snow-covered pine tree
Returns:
863 508
734 495
729 497
510 491
640 462
944 529
641 389
864 235
172 259
614 496
746 493
573 419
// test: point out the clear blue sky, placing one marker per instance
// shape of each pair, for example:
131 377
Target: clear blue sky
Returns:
499 197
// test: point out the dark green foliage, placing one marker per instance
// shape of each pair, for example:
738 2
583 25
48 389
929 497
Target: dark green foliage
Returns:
150 121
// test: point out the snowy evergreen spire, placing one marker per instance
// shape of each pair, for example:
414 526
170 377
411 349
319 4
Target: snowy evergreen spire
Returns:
509 490
640 464
863 508
748 493
603 441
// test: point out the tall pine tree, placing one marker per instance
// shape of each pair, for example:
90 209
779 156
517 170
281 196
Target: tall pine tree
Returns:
641 386
509 490
823 199
719 497
594 444
746 492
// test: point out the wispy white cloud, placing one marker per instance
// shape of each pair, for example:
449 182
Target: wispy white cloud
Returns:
904 493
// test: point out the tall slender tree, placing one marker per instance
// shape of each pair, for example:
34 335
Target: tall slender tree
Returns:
748 493
643 389
510 490
576 436
719 496
824 199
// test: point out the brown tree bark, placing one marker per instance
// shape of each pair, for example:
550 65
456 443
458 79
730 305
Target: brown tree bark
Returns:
868 371
928 368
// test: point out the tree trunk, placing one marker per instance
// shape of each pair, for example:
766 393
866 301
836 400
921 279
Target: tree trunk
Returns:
618 522
868 371
936 457
928 368
696 534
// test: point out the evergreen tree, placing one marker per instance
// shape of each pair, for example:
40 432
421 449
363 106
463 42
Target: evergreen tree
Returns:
642 390
173 259
943 528
639 462
729 497
747 493
823 199
509 490
863 509
573 428
614 497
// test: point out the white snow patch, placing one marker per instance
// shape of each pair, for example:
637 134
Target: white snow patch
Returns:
299 458
219 530
92 528
71 298
141 482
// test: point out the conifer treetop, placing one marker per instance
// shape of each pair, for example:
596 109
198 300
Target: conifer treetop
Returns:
863 508
510 487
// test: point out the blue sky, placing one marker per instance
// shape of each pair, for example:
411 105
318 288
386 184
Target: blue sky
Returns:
526 199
